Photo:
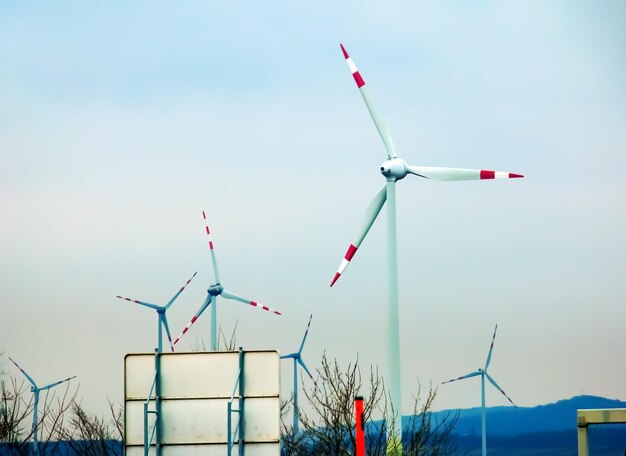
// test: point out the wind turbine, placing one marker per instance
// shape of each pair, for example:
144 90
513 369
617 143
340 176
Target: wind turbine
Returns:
394 169
36 390
161 313
216 289
297 359
483 373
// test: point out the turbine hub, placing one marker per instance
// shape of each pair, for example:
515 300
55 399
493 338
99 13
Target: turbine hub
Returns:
215 290
394 168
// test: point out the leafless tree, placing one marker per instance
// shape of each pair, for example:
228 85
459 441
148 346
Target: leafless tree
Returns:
64 427
53 413
328 428
425 435
15 426
17 405
90 435
223 344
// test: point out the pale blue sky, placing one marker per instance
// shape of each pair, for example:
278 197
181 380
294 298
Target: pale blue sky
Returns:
120 122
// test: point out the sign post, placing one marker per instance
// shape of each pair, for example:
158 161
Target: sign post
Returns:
360 426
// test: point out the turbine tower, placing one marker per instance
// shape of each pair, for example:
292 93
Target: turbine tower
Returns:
36 390
216 289
297 359
483 373
161 313
394 169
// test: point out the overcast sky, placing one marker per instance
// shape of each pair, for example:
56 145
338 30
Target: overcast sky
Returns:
121 121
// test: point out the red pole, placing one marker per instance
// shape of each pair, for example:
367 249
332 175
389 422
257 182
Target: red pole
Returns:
360 426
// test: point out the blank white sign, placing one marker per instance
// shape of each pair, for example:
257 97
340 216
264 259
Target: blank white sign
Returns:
195 390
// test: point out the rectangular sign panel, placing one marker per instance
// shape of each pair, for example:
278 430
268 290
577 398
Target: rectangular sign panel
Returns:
195 391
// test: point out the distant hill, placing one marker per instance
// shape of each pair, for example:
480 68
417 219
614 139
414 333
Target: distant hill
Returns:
604 441
508 421
533 431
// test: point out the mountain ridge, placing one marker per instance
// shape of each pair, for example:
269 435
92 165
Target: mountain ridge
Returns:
510 421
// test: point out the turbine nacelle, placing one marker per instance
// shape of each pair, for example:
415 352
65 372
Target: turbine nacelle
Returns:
215 290
394 169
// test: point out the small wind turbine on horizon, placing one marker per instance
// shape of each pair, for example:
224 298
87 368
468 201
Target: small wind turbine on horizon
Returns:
394 169
297 359
483 373
36 390
216 289
161 312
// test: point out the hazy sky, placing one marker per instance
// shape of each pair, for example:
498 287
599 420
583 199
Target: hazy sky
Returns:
121 121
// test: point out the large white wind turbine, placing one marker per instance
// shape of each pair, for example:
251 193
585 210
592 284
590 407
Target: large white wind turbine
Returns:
394 169
483 373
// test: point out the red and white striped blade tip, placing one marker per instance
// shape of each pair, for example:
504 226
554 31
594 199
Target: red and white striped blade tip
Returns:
344 263
488 174
345 53
193 320
208 231
360 82
260 306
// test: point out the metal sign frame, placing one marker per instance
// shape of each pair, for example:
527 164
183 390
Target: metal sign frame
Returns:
586 417
193 400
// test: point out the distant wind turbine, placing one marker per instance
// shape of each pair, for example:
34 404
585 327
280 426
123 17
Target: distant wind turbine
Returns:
297 359
216 289
36 390
394 169
483 373
162 317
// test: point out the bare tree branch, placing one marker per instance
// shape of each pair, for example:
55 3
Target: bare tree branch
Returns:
328 427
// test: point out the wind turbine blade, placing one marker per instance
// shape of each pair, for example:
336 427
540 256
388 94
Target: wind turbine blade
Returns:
491 348
30 379
457 174
370 216
216 271
52 385
473 374
171 301
229 295
306 333
493 382
305 368
381 125
290 355
167 329
209 299
147 304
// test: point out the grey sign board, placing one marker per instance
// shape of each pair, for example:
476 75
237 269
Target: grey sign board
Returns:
195 390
